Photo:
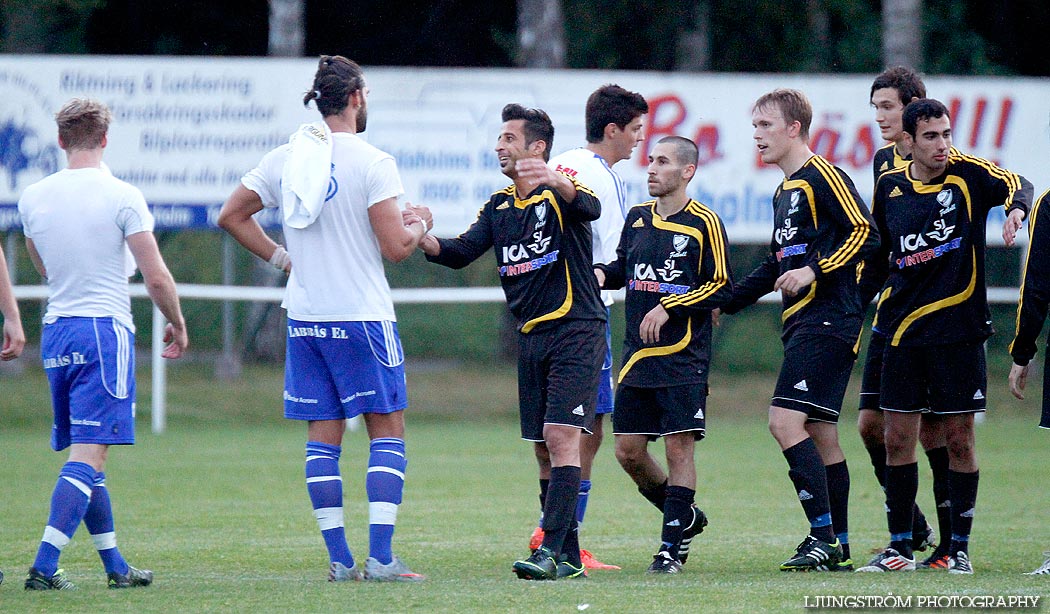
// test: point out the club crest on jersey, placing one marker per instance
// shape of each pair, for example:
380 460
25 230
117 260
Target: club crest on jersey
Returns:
541 214
944 199
794 203
679 242
333 186
785 234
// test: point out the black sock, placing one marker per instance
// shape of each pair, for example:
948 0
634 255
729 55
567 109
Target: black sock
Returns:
878 463
918 522
939 465
902 483
806 470
963 489
656 495
544 485
570 549
678 513
559 511
838 501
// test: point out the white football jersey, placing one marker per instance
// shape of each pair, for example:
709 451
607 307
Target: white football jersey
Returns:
337 268
591 170
78 220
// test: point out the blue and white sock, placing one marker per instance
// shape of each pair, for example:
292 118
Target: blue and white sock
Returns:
385 484
325 486
99 522
581 501
69 503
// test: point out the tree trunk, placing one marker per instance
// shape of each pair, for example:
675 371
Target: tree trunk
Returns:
541 34
694 44
818 54
902 33
287 29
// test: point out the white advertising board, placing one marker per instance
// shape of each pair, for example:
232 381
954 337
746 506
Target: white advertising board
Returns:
186 129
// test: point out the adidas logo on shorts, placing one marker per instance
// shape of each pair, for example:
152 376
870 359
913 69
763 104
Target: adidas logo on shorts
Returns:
578 411
699 415
802 386
978 396
803 495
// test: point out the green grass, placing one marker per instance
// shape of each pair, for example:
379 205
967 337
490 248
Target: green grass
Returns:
217 508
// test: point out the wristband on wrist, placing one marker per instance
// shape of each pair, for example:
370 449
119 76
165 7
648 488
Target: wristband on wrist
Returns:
280 259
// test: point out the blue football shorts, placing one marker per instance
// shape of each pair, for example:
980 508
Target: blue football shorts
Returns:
605 384
338 370
90 366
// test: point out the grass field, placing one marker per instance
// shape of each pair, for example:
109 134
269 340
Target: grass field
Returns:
217 508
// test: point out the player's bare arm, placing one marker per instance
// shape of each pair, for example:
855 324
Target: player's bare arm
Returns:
34 257
160 286
14 336
236 219
398 234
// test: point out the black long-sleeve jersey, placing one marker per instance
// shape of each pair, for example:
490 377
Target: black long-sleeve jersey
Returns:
1035 286
680 263
543 249
819 221
887 158
932 253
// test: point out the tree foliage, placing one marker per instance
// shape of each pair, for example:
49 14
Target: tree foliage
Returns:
1001 37
45 26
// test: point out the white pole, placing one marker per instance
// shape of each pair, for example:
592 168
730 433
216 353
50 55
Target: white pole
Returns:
160 375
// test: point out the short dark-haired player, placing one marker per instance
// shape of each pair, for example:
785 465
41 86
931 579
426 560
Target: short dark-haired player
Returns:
614 120
822 230
891 91
672 260
933 311
1031 314
539 229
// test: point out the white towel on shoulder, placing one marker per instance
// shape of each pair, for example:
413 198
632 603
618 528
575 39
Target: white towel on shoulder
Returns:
306 174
